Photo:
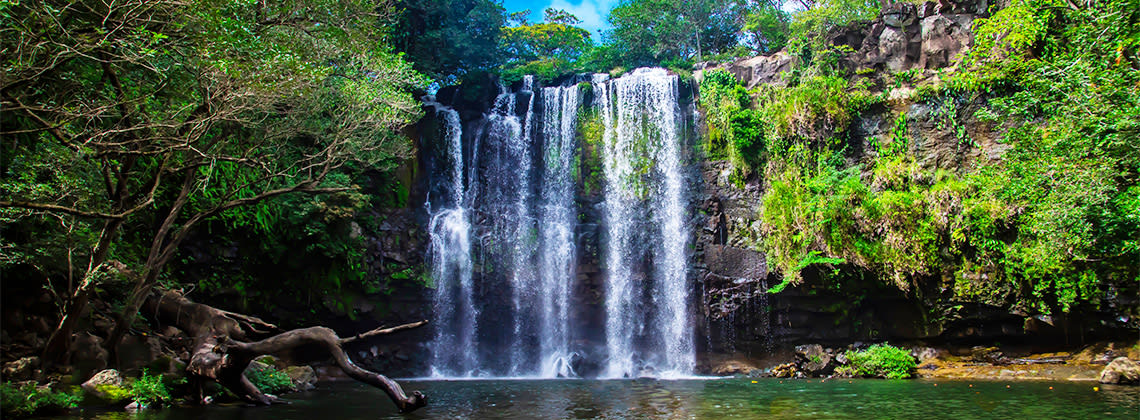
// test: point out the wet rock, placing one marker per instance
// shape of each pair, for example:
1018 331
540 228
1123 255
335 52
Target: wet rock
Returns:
923 354
813 360
786 370
982 354
135 406
104 384
1121 370
732 367
304 377
22 369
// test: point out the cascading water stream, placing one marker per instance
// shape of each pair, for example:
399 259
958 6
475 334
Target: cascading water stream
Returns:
452 269
644 215
557 221
522 248
509 311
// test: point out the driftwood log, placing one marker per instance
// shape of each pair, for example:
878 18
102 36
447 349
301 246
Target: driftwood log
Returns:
224 344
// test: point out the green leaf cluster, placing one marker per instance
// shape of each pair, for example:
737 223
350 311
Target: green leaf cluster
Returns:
735 130
879 361
28 400
546 50
150 390
269 379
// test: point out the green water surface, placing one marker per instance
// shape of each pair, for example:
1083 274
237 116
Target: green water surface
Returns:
690 399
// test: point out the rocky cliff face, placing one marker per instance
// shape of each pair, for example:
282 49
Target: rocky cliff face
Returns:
905 37
741 318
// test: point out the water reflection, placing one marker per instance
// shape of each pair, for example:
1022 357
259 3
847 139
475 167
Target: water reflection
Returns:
690 399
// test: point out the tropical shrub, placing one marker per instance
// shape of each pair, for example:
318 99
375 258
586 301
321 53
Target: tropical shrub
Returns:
269 380
149 390
880 361
29 400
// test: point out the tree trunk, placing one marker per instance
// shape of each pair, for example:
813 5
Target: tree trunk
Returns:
58 347
222 351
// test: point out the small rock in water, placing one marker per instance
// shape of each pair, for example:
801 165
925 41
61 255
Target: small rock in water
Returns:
135 406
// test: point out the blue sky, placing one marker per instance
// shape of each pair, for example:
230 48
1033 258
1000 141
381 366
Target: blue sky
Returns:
592 12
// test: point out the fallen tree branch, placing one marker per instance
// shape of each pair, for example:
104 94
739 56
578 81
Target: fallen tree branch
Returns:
382 331
222 352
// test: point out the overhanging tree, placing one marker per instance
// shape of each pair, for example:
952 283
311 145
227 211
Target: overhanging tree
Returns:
159 115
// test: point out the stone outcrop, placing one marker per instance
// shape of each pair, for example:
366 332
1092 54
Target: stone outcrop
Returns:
101 385
22 369
929 36
813 360
304 377
1121 370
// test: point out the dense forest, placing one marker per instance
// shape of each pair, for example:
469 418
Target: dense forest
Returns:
146 144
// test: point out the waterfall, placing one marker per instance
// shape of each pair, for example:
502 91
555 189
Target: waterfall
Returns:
504 234
522 247
648 330
452 269
557 221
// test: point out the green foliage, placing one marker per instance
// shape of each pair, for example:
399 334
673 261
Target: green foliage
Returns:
29 400
269 380
809 209
1051 226
650 32
810 27
591 135
735 131
814 108
164 127
546 50
747 134
449 39
768 27
880 361
1065 79
149 390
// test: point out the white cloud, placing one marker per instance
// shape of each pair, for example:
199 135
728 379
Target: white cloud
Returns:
592 13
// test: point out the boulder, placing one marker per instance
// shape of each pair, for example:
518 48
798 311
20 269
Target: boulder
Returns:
136 352
813 360
893 44
104 384
304 377
762 69
899 15
922 354
22 369
256 366
786 370
1121 370
732 367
